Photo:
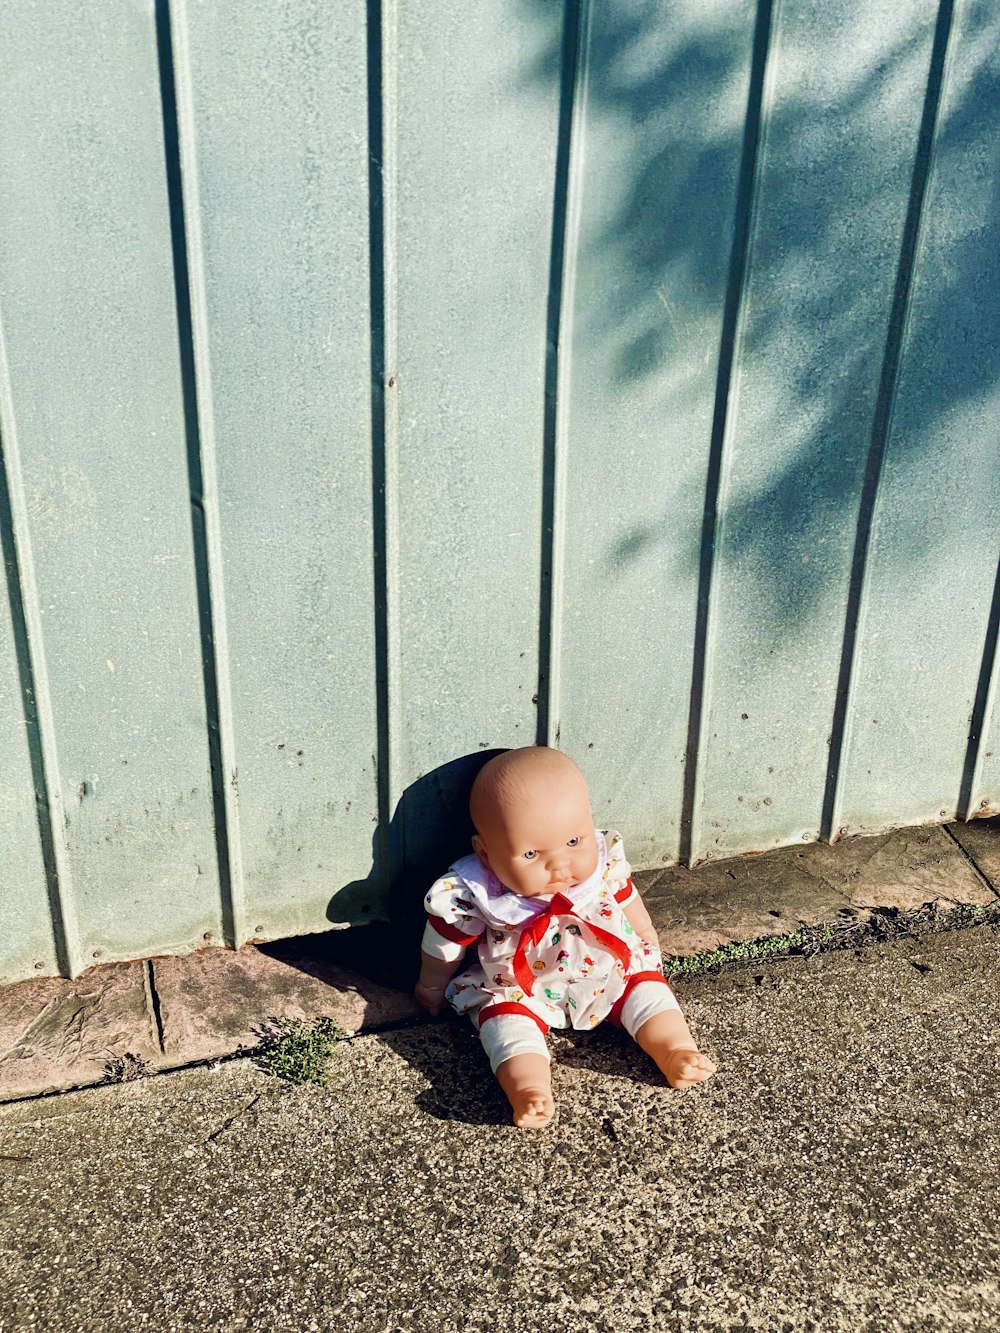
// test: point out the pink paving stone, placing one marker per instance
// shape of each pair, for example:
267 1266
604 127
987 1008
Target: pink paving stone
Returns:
217 1002
22 1003
83 1026
750 897
906 869
981 839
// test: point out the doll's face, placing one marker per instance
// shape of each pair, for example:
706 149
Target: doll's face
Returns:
542 843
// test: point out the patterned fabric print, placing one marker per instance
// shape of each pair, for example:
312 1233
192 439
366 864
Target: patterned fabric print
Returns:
576 978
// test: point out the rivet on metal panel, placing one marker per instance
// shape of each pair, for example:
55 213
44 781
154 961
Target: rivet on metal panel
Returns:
207 935
258 930
39 966
98 953
744 716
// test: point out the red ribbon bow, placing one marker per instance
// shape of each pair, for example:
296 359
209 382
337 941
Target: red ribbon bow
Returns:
532 935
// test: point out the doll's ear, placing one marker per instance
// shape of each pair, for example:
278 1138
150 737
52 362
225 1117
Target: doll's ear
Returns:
479 847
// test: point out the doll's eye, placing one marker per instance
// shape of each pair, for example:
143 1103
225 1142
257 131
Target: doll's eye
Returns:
529 856
573 842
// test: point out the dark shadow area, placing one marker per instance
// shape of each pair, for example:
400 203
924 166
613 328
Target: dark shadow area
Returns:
462 1086
353 962
429 829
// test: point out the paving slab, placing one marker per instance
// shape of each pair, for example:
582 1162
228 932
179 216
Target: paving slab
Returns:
751 897
980 839
214 1003
79 1029
21 1004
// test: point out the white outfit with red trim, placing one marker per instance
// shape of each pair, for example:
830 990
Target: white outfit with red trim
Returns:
563 960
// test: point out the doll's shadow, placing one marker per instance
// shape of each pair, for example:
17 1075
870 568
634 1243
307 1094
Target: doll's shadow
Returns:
449 1055
462 1088
429 829
605 1050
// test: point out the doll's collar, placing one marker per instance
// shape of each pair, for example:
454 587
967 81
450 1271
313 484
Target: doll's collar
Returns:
510 907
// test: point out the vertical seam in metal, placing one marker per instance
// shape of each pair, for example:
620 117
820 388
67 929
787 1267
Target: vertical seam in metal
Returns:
559 321
987 688
729 342
36 698
881 422
192 329
382 21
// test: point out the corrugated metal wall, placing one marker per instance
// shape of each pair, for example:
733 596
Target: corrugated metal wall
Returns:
380 384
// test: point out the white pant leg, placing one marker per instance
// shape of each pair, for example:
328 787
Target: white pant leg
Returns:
645 1000
512 1034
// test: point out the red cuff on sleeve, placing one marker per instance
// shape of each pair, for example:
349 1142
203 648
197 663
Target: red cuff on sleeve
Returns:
448 931
624 894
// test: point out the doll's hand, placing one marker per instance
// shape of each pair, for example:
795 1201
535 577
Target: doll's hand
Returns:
685 1068
430 998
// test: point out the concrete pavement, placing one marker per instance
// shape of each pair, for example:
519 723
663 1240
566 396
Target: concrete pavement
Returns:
839 1173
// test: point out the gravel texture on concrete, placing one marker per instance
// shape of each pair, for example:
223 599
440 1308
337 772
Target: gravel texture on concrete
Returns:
839 1173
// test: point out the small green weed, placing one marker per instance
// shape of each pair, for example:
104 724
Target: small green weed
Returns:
297 1051
808 940
877 927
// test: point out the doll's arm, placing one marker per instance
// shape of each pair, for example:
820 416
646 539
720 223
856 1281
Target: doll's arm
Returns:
435 973
638 918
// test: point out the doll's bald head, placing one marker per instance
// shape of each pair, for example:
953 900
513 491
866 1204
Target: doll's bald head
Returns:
534 829
519 775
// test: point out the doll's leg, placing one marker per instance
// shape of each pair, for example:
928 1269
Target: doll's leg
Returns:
652 1016
519 1057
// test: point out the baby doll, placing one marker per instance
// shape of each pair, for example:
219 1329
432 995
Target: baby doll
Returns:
563 937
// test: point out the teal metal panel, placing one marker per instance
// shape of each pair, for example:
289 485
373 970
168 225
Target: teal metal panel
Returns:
653 199
936 531
845 87
27 946
389 383
472 102
274 145
86 290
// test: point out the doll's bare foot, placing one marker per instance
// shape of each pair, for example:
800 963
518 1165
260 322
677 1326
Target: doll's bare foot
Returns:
667 1038
527 1084
683 1069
